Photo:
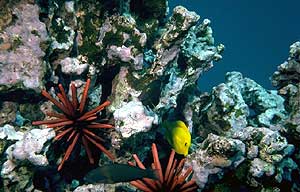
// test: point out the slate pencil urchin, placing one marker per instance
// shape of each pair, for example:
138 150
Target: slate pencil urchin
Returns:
74 123
174 179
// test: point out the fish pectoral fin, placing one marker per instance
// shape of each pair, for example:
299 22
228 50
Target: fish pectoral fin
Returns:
155 174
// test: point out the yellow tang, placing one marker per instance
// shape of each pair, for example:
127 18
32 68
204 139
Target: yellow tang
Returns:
178 136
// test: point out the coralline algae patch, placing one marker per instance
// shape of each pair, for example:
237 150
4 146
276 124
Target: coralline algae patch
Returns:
22 65
133 117
146 62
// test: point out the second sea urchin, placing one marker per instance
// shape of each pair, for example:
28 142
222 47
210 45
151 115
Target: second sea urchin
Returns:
174 178
74 123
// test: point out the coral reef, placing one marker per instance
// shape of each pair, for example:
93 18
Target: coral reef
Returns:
198 50
135 58
8 112
21 157
268 153
133 117
238 102
215 155
21 54
31 145
288 72
146 62
7 135
287 80
8 132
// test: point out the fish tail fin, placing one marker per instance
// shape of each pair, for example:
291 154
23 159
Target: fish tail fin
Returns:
153 174
168 135
165 125
165 128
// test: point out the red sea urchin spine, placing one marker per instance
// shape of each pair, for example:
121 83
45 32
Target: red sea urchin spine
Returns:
63 133
99 108
52 121
174 178
75 123
68 152
147 181
67 101
84 95
100 147
157 162
74 96
87 149
55 102
58 115
171 158
99 125
93 135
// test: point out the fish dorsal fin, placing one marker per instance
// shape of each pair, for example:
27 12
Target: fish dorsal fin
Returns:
181 124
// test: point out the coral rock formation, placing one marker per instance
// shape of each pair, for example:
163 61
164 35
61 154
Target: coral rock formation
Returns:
21 60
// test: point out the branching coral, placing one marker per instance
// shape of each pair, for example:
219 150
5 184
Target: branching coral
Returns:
174 179
74 123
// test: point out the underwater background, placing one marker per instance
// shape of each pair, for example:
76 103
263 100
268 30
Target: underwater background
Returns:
256 34
149 95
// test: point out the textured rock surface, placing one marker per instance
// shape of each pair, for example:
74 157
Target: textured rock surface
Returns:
103 188
21 60
91 188
227 111
8 112
289 71
72 66
198 50
8 135
238 102
116 32
122 90
292 124
8 132
31 147
170 92
16 178
167 47
29 151
215 155
133 118
271 159
287 80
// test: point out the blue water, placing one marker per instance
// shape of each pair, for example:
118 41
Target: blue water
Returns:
256 34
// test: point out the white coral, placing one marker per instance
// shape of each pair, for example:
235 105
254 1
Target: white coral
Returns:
32 145
133 117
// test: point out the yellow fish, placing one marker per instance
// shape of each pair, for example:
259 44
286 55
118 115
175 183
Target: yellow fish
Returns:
178 136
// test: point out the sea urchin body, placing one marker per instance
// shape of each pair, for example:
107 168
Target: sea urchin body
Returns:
174 179
74 123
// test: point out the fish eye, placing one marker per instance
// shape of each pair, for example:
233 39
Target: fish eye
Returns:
185 144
